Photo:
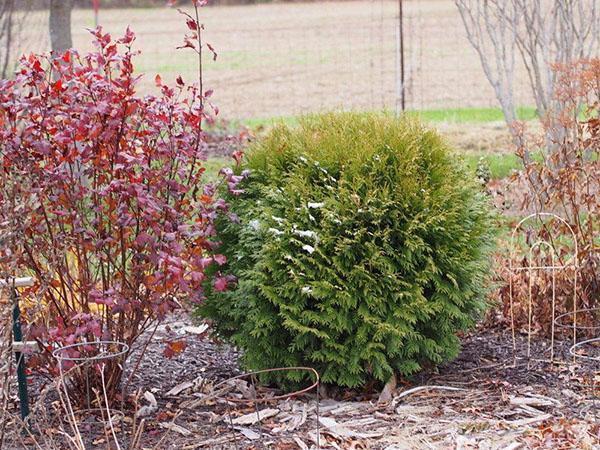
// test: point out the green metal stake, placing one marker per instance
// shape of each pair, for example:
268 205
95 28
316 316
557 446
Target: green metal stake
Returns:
20 357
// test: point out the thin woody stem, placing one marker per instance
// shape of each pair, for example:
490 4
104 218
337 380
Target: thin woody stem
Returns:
199 34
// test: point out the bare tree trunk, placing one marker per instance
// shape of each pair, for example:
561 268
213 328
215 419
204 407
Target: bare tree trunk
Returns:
60 25
7 9
491 30
545 32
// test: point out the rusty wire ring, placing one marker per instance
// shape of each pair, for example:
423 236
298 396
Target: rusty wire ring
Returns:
582 343
97 415
124 348
278 397
576 312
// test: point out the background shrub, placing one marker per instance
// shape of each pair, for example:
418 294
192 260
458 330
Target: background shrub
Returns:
565 180
362 248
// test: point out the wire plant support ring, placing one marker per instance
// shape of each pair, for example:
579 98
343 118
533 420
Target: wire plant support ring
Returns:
581 351
90 359
555 265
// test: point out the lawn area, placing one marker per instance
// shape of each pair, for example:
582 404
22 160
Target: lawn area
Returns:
471 115
448 115
500 165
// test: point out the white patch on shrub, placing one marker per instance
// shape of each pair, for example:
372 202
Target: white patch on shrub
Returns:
308 249
306 233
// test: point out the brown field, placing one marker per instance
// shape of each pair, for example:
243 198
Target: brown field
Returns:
288 58
285 59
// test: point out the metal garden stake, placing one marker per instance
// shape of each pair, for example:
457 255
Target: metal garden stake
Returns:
19 356
18 345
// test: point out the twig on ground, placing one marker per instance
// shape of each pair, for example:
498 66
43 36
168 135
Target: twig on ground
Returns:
425 388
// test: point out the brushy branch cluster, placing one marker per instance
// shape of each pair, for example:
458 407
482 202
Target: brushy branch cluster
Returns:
109 208
566 182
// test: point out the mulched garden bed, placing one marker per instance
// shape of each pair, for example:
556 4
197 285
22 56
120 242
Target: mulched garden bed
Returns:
479 400
499 404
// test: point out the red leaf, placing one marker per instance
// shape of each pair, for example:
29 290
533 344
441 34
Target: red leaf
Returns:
187 43
158 80
174 348
129 36
192 24
37 66
238 155
220 284
220 259
111 50
210 47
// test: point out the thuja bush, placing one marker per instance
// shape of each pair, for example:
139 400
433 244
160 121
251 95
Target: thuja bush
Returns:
361 249
108 204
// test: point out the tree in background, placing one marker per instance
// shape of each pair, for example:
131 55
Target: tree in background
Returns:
60 25
7 35
542 33
19 32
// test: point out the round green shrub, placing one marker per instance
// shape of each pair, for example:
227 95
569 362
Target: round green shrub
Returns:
362 248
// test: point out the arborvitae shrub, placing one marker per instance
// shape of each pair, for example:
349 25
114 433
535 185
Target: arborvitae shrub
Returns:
362 248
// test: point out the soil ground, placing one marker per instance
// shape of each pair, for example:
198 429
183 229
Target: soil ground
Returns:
499 403
481 400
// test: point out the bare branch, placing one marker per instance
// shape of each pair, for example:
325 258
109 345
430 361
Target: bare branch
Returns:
545 33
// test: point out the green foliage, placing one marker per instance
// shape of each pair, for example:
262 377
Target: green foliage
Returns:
362 249
500 165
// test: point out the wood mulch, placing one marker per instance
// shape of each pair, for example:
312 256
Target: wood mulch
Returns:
481 400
